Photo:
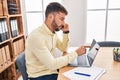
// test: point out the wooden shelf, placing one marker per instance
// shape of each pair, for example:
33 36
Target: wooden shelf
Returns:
12 38
17 37
3 17
16 15
6 41
7 66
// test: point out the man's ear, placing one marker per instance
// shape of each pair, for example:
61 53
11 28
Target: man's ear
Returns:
50 16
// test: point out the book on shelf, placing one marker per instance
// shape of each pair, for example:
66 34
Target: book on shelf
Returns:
4 57
12 8
1 61
13 12
18 47
12 5
1 8
15 48
7 51
14 27
21 45
3 31
9 71
6 30
5 76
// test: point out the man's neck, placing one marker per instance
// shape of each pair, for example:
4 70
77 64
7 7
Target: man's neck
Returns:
49 26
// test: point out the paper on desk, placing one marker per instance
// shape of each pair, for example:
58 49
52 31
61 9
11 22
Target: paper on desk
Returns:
95 73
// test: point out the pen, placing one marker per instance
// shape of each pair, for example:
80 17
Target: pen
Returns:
82 74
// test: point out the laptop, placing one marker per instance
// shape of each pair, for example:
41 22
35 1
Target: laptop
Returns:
87 59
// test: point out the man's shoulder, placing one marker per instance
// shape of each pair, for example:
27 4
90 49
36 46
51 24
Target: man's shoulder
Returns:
39 30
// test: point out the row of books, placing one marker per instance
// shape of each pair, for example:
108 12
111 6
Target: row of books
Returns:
14 27
18 46
3 31
5 58
12 7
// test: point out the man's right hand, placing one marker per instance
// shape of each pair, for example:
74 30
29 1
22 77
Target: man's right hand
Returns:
81 50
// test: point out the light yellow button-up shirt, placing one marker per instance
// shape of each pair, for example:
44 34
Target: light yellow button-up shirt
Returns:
39 52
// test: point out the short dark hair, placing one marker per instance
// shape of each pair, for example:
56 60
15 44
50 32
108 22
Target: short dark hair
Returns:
55 7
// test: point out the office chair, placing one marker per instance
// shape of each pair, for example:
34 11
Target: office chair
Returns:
109 44
20 61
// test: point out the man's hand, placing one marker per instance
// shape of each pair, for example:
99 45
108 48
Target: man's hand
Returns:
65 28
81 50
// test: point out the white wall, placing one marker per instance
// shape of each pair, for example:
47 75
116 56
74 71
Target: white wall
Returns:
76 19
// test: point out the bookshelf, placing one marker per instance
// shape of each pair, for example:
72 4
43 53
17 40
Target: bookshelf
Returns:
12 38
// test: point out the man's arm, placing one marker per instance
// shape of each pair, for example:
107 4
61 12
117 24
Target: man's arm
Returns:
63 45
44 56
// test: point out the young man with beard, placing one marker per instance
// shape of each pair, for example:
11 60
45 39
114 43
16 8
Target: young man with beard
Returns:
41 44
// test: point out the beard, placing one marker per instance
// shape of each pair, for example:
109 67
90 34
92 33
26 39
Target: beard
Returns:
55 26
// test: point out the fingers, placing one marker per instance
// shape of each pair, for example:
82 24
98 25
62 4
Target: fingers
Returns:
81 50
87 46
66 27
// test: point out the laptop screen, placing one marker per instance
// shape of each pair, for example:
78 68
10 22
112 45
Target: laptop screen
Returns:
92 44
93 52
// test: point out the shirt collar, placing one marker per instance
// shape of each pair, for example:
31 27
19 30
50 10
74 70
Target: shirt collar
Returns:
47 30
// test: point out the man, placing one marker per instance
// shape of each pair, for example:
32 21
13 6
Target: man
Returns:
41 44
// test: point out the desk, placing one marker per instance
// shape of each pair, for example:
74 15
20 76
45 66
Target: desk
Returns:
104 59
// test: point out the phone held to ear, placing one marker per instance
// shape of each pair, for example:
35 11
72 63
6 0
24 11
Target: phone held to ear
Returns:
62 27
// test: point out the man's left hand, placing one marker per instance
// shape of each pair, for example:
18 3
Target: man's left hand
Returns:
65 28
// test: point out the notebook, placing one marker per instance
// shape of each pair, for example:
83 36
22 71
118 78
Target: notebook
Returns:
87 59
85 73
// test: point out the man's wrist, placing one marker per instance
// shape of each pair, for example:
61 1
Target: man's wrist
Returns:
66 32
